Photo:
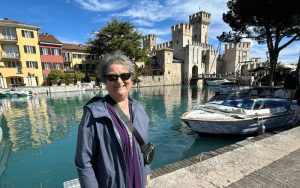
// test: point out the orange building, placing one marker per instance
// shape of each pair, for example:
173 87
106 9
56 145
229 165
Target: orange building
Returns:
51 53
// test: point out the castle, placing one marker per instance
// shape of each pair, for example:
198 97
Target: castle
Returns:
188 54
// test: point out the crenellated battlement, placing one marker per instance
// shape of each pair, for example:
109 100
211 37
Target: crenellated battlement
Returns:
213 52
203 45
149 37
164 45
200 17
239 46
182 28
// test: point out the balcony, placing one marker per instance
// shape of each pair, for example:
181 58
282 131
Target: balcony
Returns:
8 39
9 56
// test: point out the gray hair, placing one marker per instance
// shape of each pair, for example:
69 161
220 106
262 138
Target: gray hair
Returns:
108 59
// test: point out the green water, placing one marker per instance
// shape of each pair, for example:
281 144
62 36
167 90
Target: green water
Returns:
40 133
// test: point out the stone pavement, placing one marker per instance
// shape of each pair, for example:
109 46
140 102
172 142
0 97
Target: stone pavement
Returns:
269 160
284 172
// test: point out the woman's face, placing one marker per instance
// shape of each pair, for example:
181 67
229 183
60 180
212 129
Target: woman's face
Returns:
118 82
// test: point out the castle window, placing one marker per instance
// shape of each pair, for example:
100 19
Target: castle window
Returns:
195 36
177 42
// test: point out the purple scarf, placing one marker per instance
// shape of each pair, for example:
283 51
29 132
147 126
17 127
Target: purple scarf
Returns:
129 152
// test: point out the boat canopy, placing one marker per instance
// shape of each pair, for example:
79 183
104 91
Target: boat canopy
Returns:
255 104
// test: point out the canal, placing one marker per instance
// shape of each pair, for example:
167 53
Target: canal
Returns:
39 133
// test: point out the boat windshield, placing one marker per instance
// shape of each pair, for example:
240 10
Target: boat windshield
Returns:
261 104
244 103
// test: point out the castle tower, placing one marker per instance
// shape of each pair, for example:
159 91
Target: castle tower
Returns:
235 56
149 42
200 22
181 36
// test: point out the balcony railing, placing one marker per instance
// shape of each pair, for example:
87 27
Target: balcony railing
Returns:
13 55
8 38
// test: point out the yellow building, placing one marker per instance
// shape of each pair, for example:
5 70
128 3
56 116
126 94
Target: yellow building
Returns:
20 61
76 57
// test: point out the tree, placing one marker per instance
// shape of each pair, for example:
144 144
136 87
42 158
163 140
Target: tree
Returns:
118 35
78 76
272 22
69 78
55 76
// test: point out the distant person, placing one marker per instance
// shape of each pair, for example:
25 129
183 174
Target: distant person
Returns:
290 86
107 152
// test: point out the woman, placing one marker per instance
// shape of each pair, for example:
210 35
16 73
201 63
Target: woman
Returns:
107 154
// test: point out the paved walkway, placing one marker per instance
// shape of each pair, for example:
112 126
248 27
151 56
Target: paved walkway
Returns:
269 160
284 172
264 161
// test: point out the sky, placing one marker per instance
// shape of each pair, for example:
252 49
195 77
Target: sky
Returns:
74 21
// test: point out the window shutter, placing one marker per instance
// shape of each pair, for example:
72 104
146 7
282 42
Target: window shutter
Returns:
23 33
25 48
34 51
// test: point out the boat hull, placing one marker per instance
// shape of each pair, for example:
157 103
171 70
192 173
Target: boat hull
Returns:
239 126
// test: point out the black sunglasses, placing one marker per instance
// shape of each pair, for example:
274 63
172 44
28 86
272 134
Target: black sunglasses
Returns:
115 77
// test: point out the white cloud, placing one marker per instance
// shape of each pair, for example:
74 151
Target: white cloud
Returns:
67 40
157 32
150 10
143 23
101 5
157 16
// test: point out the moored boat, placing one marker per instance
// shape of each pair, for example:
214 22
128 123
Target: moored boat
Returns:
217 82
239 116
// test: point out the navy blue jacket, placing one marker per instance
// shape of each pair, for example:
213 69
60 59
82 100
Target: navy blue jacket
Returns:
99 158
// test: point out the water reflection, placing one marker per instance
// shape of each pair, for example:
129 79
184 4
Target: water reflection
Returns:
39 120
206 143
42 130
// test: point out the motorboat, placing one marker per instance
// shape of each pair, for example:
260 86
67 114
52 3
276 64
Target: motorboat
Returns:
217 82
239 116
15 93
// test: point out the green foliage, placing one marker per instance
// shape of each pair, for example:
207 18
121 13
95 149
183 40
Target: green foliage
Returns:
265 22
55 76
78 76
69 77
93 78
117 35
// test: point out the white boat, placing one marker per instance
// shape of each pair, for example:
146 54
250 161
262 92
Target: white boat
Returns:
15 93
239 116
216 82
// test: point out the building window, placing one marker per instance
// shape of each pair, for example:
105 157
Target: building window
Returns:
32 64
8 33
46 66
29 49
56 51
11 51
16 81
78 56
58 66
27 34
45 51
12 64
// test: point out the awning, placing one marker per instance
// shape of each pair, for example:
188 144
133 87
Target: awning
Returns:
260 69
